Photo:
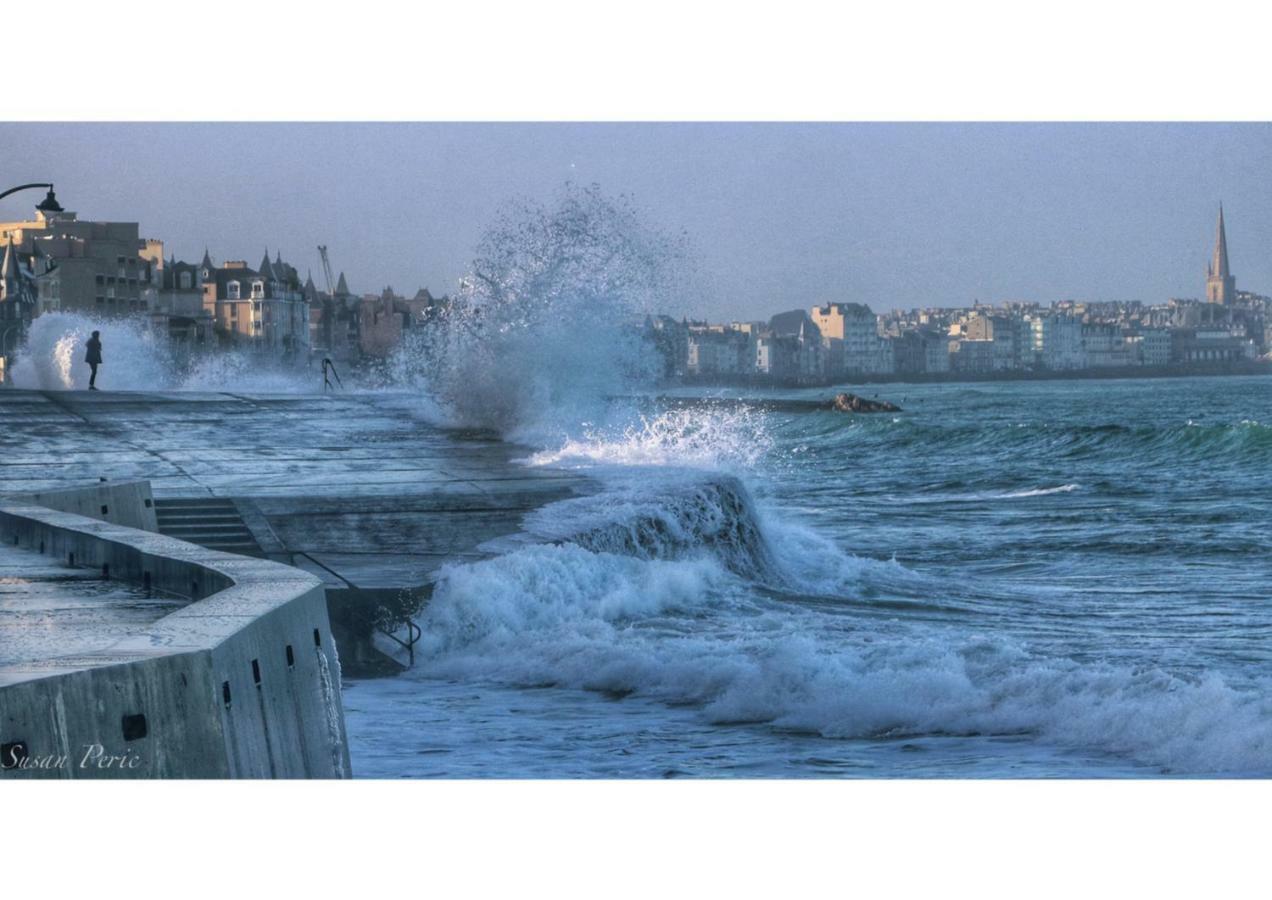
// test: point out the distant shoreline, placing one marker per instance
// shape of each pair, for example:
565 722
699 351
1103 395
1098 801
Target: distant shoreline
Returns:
1102 374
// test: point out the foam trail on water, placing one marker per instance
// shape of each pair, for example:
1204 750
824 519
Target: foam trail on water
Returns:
689 631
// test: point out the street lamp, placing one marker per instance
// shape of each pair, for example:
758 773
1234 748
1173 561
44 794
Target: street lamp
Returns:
48 204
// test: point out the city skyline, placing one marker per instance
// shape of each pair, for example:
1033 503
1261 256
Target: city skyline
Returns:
779 216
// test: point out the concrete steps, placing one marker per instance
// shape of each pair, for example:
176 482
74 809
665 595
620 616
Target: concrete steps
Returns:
212 522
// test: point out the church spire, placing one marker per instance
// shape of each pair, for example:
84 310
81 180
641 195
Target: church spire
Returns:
1221 287
1220 263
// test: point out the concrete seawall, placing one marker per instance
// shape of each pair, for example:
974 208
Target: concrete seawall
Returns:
128 503
242 682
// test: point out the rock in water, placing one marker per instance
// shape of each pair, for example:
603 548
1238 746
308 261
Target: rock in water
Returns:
853 403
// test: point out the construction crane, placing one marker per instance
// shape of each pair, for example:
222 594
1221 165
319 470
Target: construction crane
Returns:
329 304
326 269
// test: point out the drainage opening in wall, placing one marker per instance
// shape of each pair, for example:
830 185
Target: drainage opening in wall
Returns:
105 509
291 657
225 693
256 672
317 638
134 727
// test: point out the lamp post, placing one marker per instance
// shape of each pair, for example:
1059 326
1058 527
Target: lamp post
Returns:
48 204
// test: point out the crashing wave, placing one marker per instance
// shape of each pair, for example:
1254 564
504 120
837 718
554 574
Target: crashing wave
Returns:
136 358
678 518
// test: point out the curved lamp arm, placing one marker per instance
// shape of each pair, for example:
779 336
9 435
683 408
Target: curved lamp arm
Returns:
24 187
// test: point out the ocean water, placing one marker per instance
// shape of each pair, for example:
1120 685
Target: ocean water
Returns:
1026 579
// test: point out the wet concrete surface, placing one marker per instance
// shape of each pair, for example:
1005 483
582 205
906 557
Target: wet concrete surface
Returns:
48 609
359 489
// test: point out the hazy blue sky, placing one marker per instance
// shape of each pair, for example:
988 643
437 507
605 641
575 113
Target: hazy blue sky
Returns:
780 215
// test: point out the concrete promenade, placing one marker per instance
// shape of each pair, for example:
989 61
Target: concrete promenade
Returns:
358 489
46 605
239 678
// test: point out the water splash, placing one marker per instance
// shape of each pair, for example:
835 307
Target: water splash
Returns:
52 357
734 439
547 324
136 358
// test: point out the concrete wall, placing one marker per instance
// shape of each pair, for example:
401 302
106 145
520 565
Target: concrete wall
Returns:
128 503
242 683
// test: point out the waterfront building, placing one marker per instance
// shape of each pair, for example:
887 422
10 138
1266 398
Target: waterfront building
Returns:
1000 332
971 356
724 353
335 321
96 267
178 309
1056 342
1104 345
262 308
854 344
1212 346
1152 347
383 319
920 351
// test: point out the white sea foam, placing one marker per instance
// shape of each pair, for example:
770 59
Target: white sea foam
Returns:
713 439
1039 492
135 358
52 357
687 631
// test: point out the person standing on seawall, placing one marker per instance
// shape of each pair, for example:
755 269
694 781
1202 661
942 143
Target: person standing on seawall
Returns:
94 358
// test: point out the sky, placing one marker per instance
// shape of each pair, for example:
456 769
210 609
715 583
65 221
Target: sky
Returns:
779 215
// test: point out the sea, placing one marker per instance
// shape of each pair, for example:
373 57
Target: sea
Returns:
1016 579
1025 579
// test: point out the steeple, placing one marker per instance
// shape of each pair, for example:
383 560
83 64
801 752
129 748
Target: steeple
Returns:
1220 263
12 286
266 268
342 286
1221 286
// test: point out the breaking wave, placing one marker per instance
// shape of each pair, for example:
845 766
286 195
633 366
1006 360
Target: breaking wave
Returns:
690 632
546 327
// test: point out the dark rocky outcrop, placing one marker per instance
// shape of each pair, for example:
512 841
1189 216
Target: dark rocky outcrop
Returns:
853 403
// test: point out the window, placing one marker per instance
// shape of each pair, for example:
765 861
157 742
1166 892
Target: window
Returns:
186 281
258 289
232 290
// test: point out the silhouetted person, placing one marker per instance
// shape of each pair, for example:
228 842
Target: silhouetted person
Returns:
329 366
94 358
